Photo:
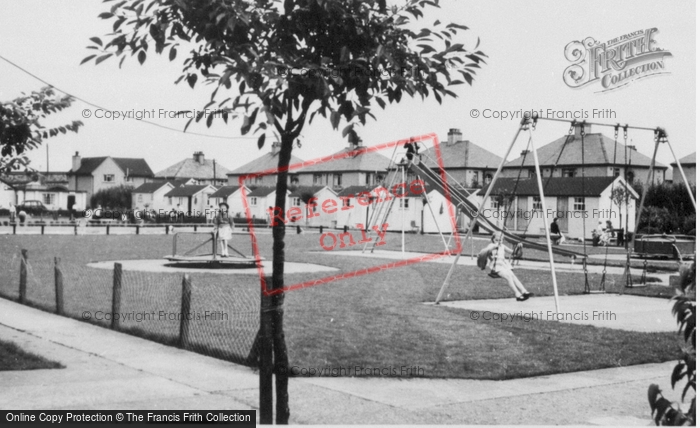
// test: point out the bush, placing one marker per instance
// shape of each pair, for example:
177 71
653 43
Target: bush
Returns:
663 411
115 198
667 208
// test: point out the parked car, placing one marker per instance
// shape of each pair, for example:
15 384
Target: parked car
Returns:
32 208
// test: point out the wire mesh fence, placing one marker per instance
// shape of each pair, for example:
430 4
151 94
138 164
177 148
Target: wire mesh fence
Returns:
220 317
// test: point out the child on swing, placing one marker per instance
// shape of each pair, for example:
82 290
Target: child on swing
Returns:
500 268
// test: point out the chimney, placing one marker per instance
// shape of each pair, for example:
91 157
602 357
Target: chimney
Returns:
454 136
76 162
633 148
199 157
524 152
586 128
353 146
276 146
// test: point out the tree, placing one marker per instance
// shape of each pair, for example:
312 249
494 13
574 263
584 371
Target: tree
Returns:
20 127
292 60
620 196
662 410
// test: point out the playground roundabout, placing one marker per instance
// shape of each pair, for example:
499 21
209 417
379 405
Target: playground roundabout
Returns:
168 266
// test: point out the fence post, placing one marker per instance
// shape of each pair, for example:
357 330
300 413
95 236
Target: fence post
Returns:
14 228
58 279
137 229
320 230
116 295
167 229
42 229
107 229
75 229
185 311
23 278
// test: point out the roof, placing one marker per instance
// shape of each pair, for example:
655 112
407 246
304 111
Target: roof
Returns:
369 161
151 187
136 167
463 154
354 190
687 160
261 191
266 162
599 150
190 168
186 190
306 190
225 191
556 186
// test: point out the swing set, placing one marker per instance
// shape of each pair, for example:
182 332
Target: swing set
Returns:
458 196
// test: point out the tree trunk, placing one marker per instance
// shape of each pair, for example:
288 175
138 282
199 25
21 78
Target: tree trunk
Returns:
281 363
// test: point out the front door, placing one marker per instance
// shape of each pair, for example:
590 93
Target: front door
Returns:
522 215
562 213
71 202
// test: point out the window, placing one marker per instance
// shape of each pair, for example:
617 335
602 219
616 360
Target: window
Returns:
569 172
337 180
253 201
346 202
579 203
129 179
140 198
170 200
494 202
616 172
368 179
49 198
488 178
531 173
404 203
536 203
108 178
258 179
296 202
318 179
195 200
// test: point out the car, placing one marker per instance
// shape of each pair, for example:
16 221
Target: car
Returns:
32 208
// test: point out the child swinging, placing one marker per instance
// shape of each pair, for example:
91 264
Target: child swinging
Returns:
499 266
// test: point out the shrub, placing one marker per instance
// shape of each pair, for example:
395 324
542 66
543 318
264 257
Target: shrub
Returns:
663 411
115 198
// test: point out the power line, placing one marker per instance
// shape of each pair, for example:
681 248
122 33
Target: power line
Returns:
100 107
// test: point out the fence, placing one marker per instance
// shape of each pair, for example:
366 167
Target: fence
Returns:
212 314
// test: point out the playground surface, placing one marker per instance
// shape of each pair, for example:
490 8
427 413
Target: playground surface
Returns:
111 370
622 312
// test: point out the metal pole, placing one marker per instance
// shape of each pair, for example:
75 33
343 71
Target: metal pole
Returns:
403 208
685 180
597 123
478 212
646 186
544 220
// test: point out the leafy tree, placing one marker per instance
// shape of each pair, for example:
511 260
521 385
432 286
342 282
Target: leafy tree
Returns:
684 307
20 127
286 62
621 197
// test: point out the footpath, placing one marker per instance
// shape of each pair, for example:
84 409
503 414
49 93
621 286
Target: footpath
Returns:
108 370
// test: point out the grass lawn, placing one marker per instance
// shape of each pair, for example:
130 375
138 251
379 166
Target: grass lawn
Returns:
14 358
371 321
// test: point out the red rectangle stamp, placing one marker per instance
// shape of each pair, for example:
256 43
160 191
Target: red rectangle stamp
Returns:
357 215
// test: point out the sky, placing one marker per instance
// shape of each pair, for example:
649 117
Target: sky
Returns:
523 71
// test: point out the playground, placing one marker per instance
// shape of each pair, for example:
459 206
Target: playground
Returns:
383 319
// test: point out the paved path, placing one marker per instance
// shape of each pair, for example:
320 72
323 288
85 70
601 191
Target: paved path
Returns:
107 370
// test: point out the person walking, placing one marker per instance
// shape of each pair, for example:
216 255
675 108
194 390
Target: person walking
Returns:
555 233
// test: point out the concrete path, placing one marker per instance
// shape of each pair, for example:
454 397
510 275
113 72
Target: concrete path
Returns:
107 370
620 312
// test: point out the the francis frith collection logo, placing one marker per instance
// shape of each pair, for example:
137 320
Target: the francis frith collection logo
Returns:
615 63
